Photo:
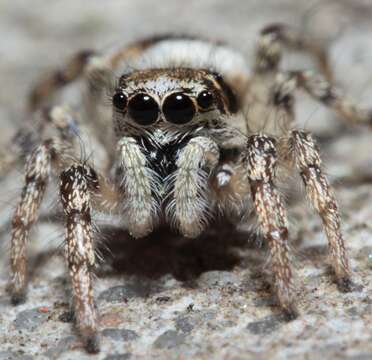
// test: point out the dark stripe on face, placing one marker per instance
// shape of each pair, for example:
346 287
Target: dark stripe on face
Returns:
232 100
211 86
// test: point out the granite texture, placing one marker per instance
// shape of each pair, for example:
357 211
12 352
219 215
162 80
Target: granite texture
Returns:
201 301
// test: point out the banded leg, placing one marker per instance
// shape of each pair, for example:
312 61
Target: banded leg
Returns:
59 78
274 36
260 162
319 193
286 83
189 205
77 182
57 118
55 151
139 185
325 92
37 175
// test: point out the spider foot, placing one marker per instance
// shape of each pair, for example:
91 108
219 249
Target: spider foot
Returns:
92 344
291 313
345 284
18 298
67 316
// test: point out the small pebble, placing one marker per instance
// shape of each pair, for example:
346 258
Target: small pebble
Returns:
122 293
120 334
266 325
169 339
125 356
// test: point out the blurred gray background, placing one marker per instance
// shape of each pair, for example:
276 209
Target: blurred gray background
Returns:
224 314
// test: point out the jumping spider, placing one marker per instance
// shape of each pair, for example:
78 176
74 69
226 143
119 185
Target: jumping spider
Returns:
196 134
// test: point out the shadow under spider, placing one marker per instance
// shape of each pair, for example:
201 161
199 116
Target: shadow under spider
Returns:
165 252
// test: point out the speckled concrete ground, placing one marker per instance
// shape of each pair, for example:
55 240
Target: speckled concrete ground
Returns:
206 301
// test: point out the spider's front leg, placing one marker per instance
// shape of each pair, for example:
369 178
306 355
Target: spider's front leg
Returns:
194 164
77 183
139 184
260 162
304 151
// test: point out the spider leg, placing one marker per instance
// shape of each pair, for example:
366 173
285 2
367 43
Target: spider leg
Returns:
260 162
76 184
80 185
281 97
88 62
37 173
58 119
50 157
59 78
51 153
189 207
308 162
324 91
302 149
139 184
275 36
318 85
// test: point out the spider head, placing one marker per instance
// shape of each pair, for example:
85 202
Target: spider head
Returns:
181 97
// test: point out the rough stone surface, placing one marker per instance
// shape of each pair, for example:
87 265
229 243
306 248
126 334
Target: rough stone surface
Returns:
190 320
120 334
125 356
203 301
169 339
30 319
9 355
266 325
122 293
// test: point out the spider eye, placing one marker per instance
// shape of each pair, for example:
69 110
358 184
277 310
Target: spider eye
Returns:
205 100
120 101
178 108
143 109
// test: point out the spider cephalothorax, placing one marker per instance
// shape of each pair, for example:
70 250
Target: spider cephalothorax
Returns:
196 134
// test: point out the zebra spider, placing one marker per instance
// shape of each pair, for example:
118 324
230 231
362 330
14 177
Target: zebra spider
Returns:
197 135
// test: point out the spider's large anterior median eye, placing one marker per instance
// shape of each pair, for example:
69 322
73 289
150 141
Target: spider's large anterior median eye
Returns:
205 100
143 109
120 101
178 108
